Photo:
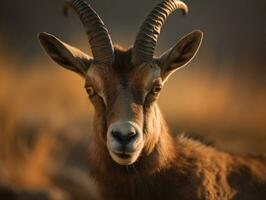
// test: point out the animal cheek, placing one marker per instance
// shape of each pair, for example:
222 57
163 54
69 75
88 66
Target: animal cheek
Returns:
98 104
137 114
150 139
149 101
150 123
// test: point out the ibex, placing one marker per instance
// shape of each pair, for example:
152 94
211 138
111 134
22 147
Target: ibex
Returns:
131 154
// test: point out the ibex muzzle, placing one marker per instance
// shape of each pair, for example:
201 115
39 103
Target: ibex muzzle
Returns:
125 142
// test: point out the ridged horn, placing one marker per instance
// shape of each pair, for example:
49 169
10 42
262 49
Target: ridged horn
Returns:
98 36
146 40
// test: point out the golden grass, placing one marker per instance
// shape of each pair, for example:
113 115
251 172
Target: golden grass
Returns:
30 169
40 103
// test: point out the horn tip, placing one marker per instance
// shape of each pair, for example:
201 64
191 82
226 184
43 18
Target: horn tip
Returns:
183 7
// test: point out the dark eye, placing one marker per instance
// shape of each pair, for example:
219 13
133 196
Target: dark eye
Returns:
90 91
156 89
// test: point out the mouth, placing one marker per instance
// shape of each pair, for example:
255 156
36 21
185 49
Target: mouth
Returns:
124 158
123 155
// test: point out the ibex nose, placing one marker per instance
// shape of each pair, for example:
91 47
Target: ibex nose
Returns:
124 138
124 135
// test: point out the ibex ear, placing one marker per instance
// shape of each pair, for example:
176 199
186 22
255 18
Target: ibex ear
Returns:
65 55
181 54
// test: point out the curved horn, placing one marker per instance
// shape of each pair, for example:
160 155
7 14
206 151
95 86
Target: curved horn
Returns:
99 38
145 43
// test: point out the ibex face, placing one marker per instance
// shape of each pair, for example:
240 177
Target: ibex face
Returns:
124 85
123 97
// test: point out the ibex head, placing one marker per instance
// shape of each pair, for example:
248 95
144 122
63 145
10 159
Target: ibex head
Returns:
122 85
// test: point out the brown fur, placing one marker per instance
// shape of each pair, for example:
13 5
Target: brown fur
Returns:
170 168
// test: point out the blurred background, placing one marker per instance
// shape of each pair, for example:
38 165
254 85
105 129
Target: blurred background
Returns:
45 115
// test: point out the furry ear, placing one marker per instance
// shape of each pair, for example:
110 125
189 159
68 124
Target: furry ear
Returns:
65 55
181 54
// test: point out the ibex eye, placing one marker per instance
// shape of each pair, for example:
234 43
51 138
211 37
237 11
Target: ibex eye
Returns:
156 89
90 91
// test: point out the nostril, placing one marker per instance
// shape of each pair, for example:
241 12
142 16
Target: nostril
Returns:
117 135
132 135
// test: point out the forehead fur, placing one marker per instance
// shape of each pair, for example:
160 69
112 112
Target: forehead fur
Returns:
122 64
121 68
124 68
122 71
